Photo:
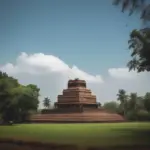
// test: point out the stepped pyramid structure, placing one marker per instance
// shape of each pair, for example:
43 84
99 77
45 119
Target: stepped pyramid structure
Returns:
77 96
76 104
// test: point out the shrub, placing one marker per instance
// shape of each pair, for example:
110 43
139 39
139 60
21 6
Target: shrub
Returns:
143 115
131 116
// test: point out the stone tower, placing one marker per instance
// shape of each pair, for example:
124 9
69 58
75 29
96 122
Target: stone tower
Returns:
76 95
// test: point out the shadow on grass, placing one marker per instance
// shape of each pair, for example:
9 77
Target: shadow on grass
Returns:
139 137
11 144
142 135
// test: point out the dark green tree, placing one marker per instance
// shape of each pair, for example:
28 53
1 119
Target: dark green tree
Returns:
147 101
140 103
26 100
122 97
6 101
132 106
16 100
133 102
111 106
139 44
46 102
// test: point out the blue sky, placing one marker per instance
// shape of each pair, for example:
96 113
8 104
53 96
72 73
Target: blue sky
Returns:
87 33
90 34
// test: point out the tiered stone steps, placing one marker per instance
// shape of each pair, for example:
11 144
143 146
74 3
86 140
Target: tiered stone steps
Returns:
78 117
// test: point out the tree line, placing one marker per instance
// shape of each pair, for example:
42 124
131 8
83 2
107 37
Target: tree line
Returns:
132 106
17 101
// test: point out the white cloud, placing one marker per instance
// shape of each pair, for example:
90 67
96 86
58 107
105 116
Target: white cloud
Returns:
122 73
51 74
40 64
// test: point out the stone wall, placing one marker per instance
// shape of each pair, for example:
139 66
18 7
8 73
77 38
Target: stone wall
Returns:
61 110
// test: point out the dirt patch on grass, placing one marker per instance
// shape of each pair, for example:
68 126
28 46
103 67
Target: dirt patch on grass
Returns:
133 147
12 144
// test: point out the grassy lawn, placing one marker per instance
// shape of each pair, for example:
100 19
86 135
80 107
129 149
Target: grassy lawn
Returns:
81 134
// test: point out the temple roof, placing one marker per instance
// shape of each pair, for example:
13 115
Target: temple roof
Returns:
76 83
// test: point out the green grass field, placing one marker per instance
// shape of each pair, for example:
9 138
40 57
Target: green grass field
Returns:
81 134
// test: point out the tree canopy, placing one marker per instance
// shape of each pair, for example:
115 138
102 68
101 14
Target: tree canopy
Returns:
111 106
139 42
134 107
16 100
46 102
134 6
